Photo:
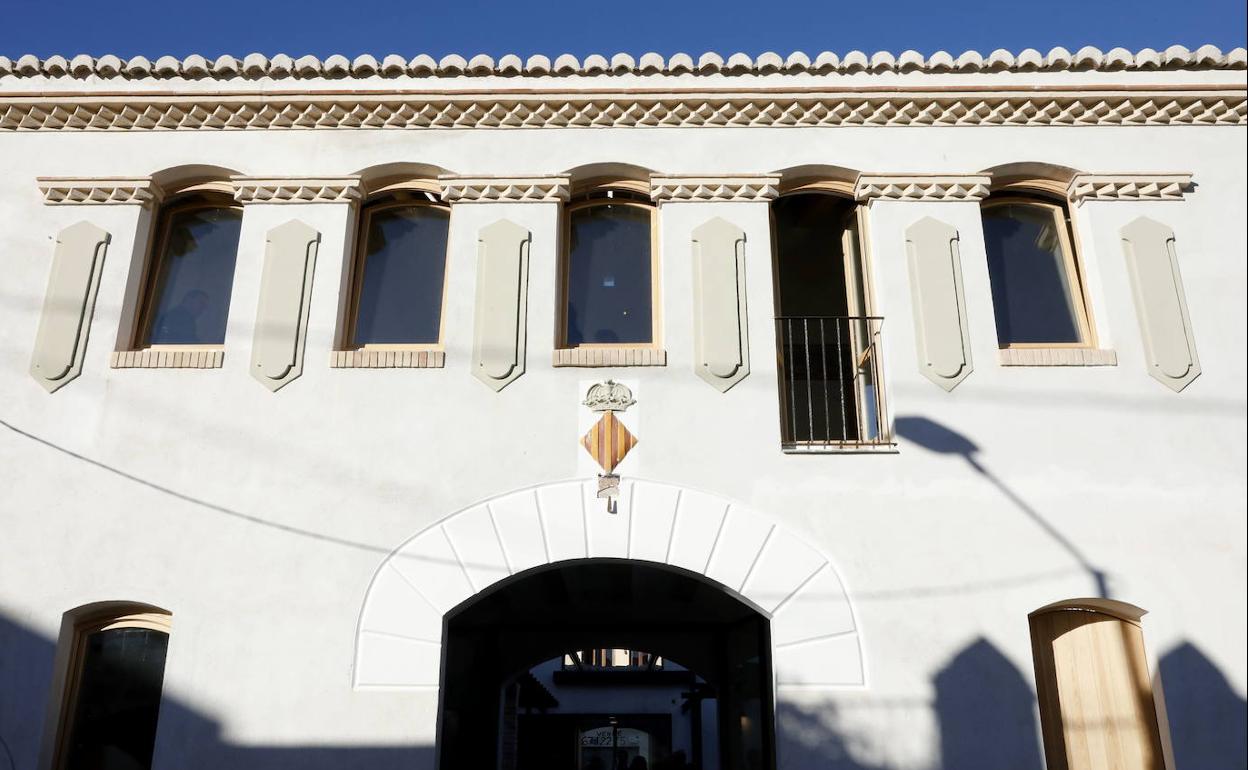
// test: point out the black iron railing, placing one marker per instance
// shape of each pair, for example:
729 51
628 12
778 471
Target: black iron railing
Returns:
831 383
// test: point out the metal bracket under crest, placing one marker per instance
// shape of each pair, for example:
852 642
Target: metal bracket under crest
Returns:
609 490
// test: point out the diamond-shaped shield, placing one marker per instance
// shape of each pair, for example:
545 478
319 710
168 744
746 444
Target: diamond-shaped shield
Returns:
608 442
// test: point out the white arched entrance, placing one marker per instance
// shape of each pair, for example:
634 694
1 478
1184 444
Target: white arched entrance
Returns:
813 631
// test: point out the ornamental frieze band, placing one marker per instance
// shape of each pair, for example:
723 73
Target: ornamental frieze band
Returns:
659 109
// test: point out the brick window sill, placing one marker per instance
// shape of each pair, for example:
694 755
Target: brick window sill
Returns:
598 357
387 359
168 358
1056 357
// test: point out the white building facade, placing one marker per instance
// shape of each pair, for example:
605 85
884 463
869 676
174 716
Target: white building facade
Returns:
303 512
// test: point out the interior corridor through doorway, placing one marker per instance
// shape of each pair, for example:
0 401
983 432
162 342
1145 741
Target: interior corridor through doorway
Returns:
601 664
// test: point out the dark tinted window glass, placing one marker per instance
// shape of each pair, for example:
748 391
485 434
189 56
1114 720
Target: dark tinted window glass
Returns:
114 722
1031 291
609 290
196 276
404 265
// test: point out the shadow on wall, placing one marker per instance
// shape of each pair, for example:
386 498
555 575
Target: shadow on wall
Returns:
941 439
186 739
1208 720
987 713
984 709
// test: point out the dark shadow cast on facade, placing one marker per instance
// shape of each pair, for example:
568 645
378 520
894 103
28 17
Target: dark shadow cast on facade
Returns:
1208 720
987 712
941 439
186 739
984 708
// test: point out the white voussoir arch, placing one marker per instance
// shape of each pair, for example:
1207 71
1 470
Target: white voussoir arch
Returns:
814 634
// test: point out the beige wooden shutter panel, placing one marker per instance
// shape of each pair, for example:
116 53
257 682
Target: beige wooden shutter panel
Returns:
1097 710
282 315
499 334
1160 303
941 336
65 321
721 340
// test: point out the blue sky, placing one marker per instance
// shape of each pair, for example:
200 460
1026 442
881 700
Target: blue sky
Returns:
438 27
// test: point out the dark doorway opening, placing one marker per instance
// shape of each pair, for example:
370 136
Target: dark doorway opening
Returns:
826 337
659 666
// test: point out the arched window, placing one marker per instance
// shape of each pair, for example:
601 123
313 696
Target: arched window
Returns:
1037 284
399 275
190 273
116 669
827 336
610 286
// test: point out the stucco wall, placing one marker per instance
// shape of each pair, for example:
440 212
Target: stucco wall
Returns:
259 518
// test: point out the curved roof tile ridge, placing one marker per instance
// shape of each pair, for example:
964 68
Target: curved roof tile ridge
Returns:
256 66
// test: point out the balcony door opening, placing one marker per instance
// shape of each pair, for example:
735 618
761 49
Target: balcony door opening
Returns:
603 664
826 337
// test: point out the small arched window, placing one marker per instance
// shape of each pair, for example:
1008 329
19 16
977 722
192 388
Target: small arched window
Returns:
191 271
1037 285
610 291
111 702
399 277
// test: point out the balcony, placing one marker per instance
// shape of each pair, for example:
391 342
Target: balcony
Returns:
830 375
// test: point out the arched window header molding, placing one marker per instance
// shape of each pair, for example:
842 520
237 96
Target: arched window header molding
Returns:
398 185
841 187
1042 186
603 183
101 612
1075 187
1112 607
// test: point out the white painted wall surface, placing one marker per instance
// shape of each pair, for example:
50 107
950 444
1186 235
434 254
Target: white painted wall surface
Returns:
259 519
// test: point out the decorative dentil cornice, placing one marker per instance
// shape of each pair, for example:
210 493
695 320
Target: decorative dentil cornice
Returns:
1117 106
1129 187
98 190
922 187
321 189
737 187
526 189
257 66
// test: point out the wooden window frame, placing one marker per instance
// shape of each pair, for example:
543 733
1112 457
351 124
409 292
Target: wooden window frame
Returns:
104 620
195 199
356 279
596 198
1076 280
